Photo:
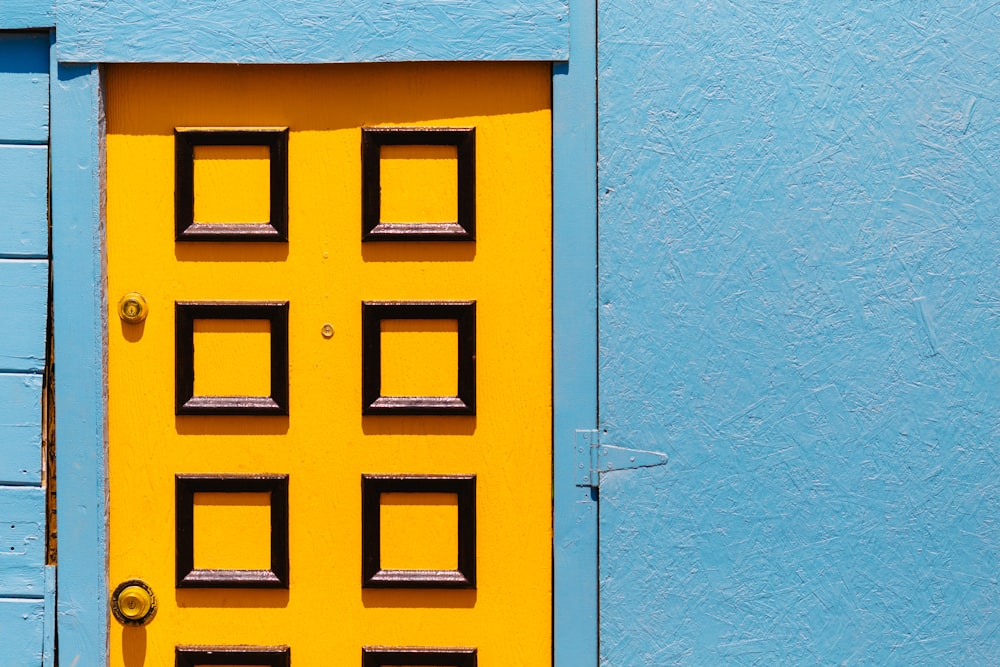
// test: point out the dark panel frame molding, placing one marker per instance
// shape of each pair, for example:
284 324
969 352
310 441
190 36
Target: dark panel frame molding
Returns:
185 226
418 656
185 486
372 400
372 141
185 313
268 656
372 574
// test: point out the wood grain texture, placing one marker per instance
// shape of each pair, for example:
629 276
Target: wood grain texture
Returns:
24 87
24 303
799 302
302 31
22 543
21 14
21 429
24 201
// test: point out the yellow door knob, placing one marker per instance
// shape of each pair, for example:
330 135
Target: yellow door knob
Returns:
133 602
132 308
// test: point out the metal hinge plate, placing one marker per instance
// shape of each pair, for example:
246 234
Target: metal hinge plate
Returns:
593 458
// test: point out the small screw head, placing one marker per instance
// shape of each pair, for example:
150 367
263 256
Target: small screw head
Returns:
327 330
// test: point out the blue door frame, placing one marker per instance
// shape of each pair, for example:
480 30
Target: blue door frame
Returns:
541 31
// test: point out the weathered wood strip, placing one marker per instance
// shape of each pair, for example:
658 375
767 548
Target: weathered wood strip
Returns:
22 545
23 309
24 87
24 194
20 429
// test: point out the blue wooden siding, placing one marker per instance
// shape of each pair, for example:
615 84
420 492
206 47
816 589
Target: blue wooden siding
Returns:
21 14
306 31
800 303
27 596
24 87
20 429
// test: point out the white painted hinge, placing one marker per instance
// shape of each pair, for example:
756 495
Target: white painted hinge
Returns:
594 457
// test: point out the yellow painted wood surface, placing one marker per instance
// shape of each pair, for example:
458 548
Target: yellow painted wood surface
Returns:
419 357
231 357
232 531
419 183
419 531
325 272
232 184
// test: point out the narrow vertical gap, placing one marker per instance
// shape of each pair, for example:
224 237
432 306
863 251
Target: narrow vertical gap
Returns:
49 393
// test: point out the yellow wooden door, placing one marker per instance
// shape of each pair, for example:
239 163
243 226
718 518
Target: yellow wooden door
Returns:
330 437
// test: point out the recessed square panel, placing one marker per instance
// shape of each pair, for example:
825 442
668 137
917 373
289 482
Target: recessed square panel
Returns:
232 531
419 357
419 557
231 357
418 184
231 184
419 531
385 656
199 656
256 555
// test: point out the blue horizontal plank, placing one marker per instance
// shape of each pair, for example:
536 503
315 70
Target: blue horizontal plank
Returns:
24 197
307 31
21 429
20 14
24 87
23 308
23 623
22 542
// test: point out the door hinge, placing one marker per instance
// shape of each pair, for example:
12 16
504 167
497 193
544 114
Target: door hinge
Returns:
594 457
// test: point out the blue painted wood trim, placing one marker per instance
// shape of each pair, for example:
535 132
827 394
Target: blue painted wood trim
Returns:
79 346
21 14
21 430
306 31
574 102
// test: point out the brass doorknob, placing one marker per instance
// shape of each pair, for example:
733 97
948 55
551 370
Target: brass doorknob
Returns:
132 308
133 602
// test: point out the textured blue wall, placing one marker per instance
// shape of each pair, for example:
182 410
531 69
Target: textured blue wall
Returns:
800 303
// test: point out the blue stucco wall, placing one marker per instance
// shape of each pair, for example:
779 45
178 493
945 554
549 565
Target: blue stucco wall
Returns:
800 304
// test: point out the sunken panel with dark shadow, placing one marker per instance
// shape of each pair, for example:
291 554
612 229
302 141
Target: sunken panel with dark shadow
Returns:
275 575
273 400
187 228
373 575
375 401
417 656
373 140
267 656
